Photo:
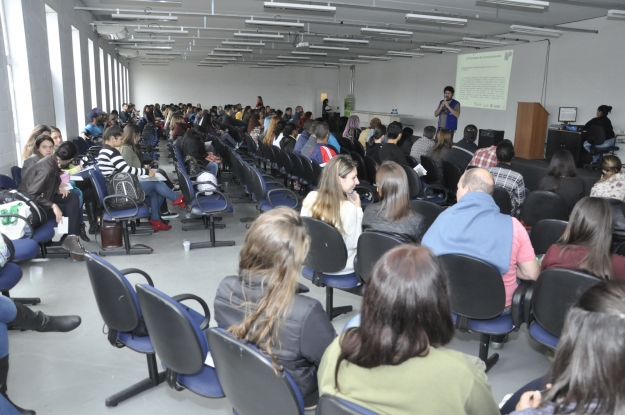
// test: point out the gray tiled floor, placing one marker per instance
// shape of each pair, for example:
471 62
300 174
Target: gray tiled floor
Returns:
73 373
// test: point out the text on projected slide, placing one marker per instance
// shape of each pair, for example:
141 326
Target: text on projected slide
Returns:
482 79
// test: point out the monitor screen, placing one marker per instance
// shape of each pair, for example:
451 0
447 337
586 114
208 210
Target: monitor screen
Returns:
567 114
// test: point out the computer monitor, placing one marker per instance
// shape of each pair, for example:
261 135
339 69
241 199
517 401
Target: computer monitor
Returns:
567 114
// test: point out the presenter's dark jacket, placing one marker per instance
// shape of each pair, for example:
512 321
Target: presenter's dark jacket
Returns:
461 153
605 123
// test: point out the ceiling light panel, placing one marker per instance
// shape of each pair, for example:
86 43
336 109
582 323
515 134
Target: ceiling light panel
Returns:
616 14
273 23
337 64
281 61
437 19
162 31
131 41
375 58
235 43
310 53
233 50
304 58
354 60
402 53
328 48
530 4
486 42
163 53
386 32
143 17
341 40
258 35
300 7
537 31
227 54
150 47
220 59
440 49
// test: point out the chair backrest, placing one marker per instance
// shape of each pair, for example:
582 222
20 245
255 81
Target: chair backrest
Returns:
362 171
99 184
116 299
16 172
309 175
372 168
541 204
327 249
186 187
298 167
285 161
257 184
411 161
359 148
595 134
178 342
331 405
414 182
433 175
451 176
371 247
429 211
7 183
248 379
502 199
546 233
554 292
316 172
477 290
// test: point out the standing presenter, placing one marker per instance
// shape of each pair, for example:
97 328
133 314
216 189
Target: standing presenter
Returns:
448 111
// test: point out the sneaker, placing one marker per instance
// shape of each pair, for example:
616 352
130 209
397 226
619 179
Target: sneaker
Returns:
169 215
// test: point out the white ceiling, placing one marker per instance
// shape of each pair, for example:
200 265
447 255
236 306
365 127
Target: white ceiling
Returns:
210 22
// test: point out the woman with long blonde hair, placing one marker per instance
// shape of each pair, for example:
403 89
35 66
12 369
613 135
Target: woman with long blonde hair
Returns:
37 132
336 202
269 136
260 305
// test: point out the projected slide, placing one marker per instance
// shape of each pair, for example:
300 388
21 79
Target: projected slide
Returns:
482 79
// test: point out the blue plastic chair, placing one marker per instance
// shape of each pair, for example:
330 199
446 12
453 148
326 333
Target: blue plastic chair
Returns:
248 378
6 408
179 338
120 310
331 405
16 172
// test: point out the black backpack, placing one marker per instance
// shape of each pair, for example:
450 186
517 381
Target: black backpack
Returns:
37 217
127 185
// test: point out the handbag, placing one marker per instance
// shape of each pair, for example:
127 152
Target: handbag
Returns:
206 182
111 234
193 166
14 227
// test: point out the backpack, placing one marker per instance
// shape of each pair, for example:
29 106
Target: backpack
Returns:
37 216
127 185
193 166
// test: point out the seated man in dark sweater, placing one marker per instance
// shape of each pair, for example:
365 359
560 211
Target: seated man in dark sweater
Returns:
390 150
462 152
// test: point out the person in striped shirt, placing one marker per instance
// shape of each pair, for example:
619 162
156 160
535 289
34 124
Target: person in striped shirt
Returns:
110 161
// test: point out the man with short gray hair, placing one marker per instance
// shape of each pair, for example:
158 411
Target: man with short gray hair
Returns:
423 145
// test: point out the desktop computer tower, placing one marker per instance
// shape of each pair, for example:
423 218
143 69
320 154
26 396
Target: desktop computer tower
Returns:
489 138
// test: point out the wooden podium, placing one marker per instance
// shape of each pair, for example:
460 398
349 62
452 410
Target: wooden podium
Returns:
531 130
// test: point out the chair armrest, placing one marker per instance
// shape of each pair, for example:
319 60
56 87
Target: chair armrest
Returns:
518 304
127 271
371 189
275 182
204 192
436 187
282 190
207 313
527 305
119 217
30 225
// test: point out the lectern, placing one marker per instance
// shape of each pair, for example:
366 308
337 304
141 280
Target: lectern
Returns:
531 130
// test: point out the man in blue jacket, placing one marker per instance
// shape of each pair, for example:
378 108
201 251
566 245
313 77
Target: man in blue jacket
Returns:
448 111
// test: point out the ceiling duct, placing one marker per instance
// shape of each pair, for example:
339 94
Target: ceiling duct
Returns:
112 32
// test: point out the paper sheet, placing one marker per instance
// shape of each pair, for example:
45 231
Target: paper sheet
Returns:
209 360
76 178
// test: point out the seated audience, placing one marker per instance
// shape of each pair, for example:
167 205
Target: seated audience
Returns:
585 245
269 130
288 142
374 145
302 120
407 140
587 372
44 147
278 132
110 161
368 132
484 157
37 132
612 182
193 146
423 145
602 121
253 122
393 214
390 151
303 138
336 203
260 305
309 146
95 128
507 178
475 227
322 153
352 129
439 152
562 178
395 362
462 152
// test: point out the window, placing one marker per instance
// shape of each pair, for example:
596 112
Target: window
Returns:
102 81
92 78
80 94
54 54
110 83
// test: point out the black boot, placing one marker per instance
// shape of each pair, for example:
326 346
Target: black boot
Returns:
4 374
83 233
27 319
92 214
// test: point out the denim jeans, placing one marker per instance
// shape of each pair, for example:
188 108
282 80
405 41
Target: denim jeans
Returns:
80 201
155 194
606 144
212 168
7 314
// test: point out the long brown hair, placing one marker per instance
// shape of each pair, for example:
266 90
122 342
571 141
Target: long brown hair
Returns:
443 139
128 137
275 247
34 134
253 123
405 310
611 165
394 190
590 225
327 205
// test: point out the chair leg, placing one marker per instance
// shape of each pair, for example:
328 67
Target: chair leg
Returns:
28 301
330 309
209 222
489 361
155 378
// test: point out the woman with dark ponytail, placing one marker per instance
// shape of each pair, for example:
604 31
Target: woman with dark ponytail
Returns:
604 122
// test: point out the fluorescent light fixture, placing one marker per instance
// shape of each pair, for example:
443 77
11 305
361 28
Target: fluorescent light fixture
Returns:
310 53
150 47
262 66
440 49
238 55
616 14
341 40
232 50
375 58
478 41
324 66
405 54
163 53
161 1
304 7
281 61
386 31
219 62
219 59
537 31
144 17
273 23
327 48
530 4
259 35
162 31
436 19
235 43
271 64
210 65
304 58
337 64
354 60
131 41
154 61
155 64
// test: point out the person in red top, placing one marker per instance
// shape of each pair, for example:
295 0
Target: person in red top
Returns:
585 245
484 157
322 153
